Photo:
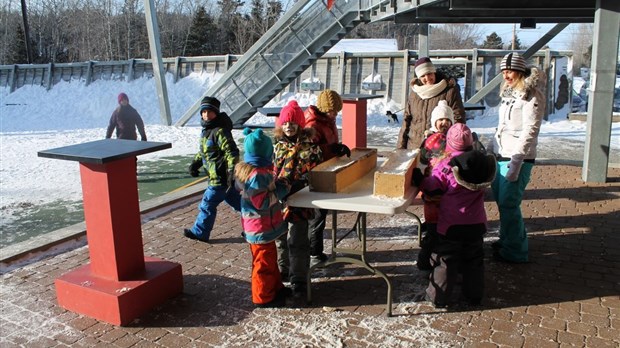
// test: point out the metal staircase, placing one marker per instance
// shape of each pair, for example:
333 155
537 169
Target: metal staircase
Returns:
298 39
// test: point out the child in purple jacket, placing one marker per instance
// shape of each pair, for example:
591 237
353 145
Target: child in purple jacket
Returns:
459 179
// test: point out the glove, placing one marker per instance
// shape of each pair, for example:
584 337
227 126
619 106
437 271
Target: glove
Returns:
417 177
298 185
340 150
230 178
194 168
144 139
514 167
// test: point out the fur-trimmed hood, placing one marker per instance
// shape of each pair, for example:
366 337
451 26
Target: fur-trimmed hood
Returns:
535 79
304 134
474 169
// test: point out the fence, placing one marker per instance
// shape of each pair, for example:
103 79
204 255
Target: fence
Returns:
385 73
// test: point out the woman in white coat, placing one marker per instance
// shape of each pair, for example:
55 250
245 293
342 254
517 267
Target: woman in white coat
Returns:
520 115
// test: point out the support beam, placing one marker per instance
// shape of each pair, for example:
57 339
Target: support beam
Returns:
423 40
601 90
158 67
526 55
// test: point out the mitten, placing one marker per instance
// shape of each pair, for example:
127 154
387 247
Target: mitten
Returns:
340 150
417 177
514 167
194 168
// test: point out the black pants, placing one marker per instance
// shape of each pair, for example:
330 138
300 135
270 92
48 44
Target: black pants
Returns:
316 226
459 251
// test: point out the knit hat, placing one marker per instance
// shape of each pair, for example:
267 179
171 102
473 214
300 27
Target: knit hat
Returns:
513 61
257 144
291 113
424 66
459 138
442 110
210 103
122 96
328 101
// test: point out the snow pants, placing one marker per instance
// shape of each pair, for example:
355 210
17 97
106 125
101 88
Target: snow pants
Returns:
207 210
266 280
508 195
459 251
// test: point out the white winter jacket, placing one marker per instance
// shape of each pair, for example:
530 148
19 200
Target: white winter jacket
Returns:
520 116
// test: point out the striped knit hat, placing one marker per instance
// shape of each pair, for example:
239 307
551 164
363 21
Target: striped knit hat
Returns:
424 66
513 61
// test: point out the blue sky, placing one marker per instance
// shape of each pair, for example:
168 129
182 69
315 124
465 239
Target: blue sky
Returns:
530 36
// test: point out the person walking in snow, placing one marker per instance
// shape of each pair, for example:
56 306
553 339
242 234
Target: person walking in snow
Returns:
219 154
125 119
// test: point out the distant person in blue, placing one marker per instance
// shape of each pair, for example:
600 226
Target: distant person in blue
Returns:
520 115
219 154
125 119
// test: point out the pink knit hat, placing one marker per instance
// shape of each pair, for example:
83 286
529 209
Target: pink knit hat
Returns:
122 96
459 138
291 113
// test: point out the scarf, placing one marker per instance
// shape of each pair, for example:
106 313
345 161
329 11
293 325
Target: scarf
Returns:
429 91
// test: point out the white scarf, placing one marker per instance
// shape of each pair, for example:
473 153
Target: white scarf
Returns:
429 91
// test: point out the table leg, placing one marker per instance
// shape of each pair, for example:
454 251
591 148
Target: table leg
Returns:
361 230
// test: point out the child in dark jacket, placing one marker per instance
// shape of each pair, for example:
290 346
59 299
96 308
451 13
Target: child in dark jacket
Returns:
261 217
322 118
460 179
295 156
219 154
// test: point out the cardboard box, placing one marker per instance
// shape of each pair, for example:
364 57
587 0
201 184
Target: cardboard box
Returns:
393 178
339 172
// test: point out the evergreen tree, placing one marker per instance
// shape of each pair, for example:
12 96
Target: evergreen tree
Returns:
201 37
228 23
493 41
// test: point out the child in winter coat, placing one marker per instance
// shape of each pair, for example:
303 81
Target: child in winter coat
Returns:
459 178
322 118
219 154
295 156
432 147
261 217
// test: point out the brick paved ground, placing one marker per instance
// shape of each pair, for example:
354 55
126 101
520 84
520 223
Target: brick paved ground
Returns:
568 295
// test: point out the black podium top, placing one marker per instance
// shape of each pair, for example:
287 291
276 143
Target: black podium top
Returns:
103 151
356 97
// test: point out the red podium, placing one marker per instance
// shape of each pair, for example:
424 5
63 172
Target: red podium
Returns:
354 115
120 283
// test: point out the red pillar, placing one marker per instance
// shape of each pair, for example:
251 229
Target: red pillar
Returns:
120 283
112 214
354 123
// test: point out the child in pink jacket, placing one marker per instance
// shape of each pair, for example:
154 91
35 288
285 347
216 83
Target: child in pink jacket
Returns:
459 179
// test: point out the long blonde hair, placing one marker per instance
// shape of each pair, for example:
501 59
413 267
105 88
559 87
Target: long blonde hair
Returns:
519 84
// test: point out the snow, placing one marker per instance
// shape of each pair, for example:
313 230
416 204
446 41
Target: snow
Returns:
34 119
365 45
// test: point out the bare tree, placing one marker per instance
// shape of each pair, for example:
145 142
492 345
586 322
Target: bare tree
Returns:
454 36
581 45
